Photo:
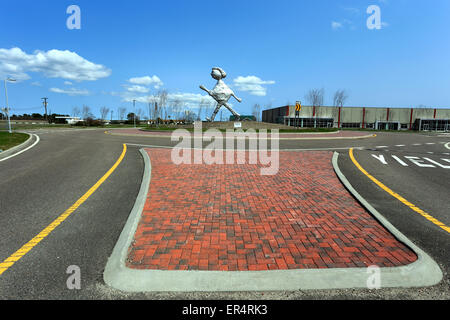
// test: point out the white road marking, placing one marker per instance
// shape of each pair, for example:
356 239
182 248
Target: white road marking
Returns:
400 145
417 144
420 162
400 161
417 161
22 151
437 163
380 157
430 143
381 146
447 145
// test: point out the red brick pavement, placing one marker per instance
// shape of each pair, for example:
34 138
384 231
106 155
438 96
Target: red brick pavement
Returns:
229 217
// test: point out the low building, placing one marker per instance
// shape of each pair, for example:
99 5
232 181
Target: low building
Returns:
361 117
68 120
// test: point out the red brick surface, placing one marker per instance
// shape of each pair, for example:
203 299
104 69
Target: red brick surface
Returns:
229 217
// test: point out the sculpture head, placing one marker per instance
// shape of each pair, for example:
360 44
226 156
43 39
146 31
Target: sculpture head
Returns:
218 73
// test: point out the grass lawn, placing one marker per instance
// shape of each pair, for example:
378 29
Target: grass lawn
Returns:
9 140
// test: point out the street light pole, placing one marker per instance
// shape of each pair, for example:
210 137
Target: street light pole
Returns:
134 112
7 108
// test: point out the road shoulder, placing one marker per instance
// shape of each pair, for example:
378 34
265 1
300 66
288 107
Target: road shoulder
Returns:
28 144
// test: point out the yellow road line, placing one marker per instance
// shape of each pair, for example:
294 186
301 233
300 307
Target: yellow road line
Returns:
399 197
5 265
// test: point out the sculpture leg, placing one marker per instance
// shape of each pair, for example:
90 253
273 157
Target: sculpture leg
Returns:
215 112
237 115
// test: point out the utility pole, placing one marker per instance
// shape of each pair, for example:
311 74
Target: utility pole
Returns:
45 106
134 112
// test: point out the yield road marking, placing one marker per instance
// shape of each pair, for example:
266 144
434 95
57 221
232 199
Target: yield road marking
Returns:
416 160
16 256
400 161
397 196
22 151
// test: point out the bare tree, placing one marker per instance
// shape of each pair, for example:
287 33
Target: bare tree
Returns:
340 96
256 110
76 112
140 113
204 103
177 105
121 112
104 113
161 99
209 107
87 112
315 97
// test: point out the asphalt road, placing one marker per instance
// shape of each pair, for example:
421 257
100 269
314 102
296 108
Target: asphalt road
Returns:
422 176
40 184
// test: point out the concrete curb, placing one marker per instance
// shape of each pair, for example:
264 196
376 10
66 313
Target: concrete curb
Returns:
423 272
117 275
20 148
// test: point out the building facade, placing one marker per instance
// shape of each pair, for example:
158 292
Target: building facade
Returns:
360 117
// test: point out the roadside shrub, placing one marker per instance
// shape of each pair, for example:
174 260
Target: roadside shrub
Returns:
94 123
80 124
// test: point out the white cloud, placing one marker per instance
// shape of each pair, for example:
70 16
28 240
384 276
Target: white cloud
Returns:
71 91
147 81
252 84
36 84
336 25
52 64
139 89
68 83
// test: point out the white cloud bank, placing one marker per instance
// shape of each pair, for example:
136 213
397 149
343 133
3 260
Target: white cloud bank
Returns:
52 64
139 89
71 91
252 84
147 81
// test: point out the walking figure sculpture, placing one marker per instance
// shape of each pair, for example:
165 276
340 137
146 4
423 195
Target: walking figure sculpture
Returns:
221 93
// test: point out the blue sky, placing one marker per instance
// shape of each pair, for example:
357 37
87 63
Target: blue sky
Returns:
272 51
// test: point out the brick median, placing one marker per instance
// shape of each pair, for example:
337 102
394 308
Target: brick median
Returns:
229 217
